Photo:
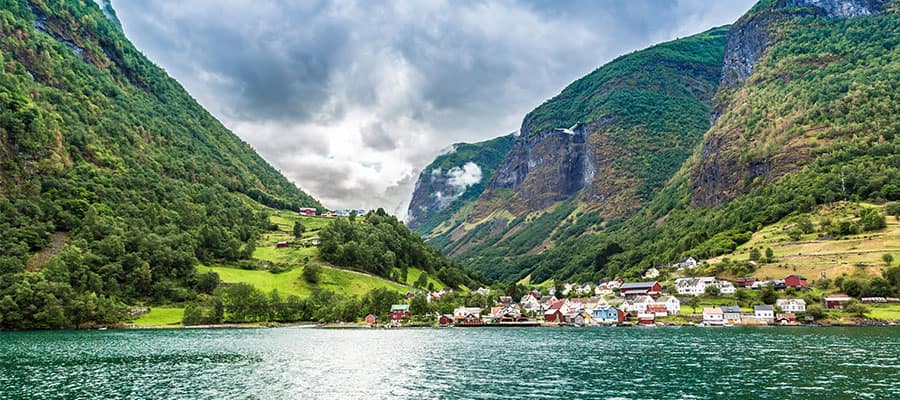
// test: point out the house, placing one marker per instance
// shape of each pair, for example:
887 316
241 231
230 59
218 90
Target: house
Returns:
764 313
657 309
615 283
445 320
281 245
462 312
329 214
371 319
836 301
673 305
483 291
555 312
602 290
583 289
530 303
689 263
713 316
786 318
725 287
400 312
731 314
637 305
791 305
631 289
307 211
646 319
693 286
796 282
505 300
578 319
513 318
607 315
745 282
779 284
873 299
651 273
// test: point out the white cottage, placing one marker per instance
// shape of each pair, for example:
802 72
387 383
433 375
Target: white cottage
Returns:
791 305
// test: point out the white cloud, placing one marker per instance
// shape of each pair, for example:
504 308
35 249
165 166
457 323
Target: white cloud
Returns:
351 99
463 177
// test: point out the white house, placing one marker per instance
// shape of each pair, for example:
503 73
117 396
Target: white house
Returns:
791 305
483 291
673 305
725 287
583 289
713 316
731 314
638 305
693 286
689 263
615 283
462 312
764 313
602 290
651 273
530 303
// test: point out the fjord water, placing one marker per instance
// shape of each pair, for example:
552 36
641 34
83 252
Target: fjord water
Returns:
489 363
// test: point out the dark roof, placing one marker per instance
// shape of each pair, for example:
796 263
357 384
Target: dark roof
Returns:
763 308
731 309
637 285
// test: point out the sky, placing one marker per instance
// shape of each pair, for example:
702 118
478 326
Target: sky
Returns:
350 100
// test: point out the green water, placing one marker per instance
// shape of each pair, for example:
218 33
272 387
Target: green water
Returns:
308 363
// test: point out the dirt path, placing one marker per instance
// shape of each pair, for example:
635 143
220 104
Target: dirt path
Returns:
37 261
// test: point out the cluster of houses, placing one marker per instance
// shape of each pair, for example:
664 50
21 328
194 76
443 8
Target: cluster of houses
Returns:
344 212
762 314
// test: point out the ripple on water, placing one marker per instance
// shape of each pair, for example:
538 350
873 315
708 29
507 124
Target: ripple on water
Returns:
453 364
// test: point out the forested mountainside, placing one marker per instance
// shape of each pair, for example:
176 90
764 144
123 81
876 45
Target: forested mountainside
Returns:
453 181
805 114
114 182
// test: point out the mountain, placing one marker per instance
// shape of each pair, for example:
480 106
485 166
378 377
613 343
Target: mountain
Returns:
801 112
453 181
114 182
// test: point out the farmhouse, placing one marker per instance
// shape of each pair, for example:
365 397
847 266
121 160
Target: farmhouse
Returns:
764 313
836 301
731 314
307 211
713 316
399 312
631 289
796 282
607 315
693 286
791 305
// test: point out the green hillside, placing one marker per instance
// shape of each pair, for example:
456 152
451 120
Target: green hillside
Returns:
114 182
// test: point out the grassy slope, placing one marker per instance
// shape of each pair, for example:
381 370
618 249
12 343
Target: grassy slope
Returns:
810 256
161 316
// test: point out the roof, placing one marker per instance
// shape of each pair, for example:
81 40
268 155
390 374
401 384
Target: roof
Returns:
798 276
731 309
400 307
763 308
638 285
712 311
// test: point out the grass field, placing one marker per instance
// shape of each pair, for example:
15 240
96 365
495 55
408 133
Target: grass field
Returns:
292 283
412 275
890 312
856 255
161 316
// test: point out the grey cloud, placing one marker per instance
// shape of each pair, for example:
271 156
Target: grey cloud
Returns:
399 80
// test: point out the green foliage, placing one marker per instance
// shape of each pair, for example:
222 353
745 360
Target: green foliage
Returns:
379 243
298 229
312 273
767 295
99 143
856 309
871 219
817 311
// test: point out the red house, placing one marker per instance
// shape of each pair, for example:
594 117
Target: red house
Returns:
308 212
554 313
795 281
631 289
445 320
745 282
281 245
400 312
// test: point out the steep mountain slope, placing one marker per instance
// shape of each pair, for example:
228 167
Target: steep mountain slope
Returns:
597 151
806 114
134 180
453 181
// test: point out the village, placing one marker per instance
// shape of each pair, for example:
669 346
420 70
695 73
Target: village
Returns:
620 303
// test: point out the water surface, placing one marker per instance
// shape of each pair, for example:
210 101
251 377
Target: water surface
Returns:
459 363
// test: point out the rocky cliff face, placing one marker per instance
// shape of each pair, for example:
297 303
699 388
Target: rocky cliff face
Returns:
453 180
750 35
730 160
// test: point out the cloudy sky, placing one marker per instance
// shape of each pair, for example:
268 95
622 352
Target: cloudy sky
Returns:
351 99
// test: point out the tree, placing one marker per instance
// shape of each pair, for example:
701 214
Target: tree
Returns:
712 290
816 311
418 306
754 254
207 282
770 255
312 273
871 219
694 302
299 229
352 216
193 315
856 309
888 259
767 295
422 282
